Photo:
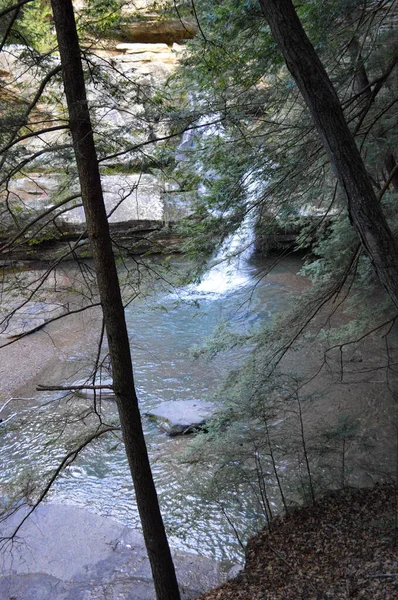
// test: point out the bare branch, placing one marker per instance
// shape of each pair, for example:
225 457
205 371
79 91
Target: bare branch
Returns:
67 460
32 134
32 157
37 219
7 32
71 388
69 312
159 139
9 9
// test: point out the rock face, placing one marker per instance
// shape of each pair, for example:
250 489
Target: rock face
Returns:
141 223
141 203
153 31
128 197
181 416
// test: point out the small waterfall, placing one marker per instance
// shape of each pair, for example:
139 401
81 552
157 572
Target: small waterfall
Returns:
205 127
186 146
229 270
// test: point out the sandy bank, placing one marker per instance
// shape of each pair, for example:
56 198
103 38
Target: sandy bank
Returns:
39 357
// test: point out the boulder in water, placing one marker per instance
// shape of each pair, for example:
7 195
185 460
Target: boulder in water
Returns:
180 417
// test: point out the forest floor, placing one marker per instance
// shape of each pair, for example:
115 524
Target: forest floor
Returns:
344 547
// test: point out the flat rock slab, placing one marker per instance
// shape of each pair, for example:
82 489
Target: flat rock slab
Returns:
180 417
68 553
28 318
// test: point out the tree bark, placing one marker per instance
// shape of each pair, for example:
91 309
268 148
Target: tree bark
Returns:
320 96
165 580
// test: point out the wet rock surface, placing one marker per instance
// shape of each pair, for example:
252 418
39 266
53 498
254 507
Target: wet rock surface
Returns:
28 317
68 553
181 416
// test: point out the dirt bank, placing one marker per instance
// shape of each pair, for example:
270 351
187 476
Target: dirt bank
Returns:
345 547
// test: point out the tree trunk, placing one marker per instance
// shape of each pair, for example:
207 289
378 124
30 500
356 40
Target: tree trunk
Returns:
320 96
119 348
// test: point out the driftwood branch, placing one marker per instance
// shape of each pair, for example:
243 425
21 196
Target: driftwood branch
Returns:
71 388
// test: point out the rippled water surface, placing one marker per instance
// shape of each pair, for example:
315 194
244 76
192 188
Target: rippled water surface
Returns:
163 331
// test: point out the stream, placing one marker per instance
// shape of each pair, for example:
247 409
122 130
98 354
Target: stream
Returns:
163 330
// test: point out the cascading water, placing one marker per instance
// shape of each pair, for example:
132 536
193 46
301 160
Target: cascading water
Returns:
205 127
230 270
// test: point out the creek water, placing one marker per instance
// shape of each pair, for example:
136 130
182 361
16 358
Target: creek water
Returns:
163 329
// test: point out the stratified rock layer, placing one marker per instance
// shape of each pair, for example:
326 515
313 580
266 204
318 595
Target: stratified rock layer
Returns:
153 31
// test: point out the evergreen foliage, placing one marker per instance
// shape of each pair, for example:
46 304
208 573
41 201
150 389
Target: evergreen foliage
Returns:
266 159
102 16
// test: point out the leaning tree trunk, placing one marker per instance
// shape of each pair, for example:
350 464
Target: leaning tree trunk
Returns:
166 585
320 96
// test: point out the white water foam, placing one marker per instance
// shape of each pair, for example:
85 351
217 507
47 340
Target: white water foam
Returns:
229 268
